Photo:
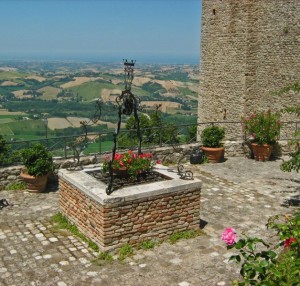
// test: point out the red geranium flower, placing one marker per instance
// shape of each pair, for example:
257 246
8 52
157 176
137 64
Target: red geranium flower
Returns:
288 242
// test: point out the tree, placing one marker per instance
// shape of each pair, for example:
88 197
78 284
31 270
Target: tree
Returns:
4 152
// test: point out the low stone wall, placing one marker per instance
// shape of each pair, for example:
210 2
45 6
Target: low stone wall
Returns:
133 215
168 155
9 176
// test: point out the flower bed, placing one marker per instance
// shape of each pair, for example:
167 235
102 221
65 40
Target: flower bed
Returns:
130 163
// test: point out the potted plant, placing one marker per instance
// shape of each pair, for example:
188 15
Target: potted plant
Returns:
130 164
38 164
211 139
262 130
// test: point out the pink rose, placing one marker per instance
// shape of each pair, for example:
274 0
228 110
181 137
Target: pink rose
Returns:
229 236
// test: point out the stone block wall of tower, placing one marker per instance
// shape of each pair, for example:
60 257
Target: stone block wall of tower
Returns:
249 50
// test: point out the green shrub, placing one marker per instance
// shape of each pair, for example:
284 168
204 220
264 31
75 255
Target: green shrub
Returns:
263 265
37 160
212 135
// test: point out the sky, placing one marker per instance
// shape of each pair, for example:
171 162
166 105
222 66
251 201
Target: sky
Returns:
105 30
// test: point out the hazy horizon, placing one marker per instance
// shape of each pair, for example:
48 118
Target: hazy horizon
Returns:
147 59
164 31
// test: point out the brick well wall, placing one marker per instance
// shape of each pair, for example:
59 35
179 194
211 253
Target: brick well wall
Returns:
110 226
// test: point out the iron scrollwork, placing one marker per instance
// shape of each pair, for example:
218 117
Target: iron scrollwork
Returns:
80 142
127 104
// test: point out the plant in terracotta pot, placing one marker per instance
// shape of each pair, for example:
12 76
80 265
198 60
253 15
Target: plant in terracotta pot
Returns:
262 130
38 164
211 139
130 164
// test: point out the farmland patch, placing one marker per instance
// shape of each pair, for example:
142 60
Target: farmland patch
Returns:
78 81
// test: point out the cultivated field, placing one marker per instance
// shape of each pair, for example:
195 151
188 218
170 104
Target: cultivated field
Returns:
78 81
9 83
49 92
61 123
165 105
38 78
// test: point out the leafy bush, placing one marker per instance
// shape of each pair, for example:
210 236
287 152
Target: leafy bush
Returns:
294 163
262 127
37 160
212 135
4 151
269 267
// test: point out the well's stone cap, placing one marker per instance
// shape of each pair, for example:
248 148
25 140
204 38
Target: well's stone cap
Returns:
96 189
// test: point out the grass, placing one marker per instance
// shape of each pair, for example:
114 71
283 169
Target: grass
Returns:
125 251
103 258
63 223
188 234
5 130
148 244
16 186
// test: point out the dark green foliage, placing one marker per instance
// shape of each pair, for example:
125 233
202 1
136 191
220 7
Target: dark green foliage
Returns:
212 135
293 164
153 87
262 265
192 134
153 130
61 109
37 160
5 154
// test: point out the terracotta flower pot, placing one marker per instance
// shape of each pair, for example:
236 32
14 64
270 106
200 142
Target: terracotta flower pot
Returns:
214 155
261 152
34 184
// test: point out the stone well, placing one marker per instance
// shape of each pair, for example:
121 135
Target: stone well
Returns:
131 214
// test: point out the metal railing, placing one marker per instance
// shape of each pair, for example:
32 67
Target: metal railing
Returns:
101 143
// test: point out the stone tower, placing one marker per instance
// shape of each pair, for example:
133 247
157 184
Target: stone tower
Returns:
249 50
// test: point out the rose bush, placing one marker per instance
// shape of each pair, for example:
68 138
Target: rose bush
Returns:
270 265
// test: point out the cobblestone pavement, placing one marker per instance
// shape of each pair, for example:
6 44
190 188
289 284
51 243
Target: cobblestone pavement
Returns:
239 193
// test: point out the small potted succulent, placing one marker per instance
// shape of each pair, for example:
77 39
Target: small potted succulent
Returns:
211 137
130 164
38 164
262 130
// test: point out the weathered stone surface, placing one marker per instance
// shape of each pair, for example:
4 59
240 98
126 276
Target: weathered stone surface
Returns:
240 193
249 49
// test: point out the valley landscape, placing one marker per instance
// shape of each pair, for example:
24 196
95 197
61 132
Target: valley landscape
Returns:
63 94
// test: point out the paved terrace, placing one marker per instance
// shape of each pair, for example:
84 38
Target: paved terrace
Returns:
239 193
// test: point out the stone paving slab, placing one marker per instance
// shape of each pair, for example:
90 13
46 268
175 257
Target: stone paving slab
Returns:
33 253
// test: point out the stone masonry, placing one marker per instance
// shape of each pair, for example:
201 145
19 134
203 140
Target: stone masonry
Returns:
249 50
